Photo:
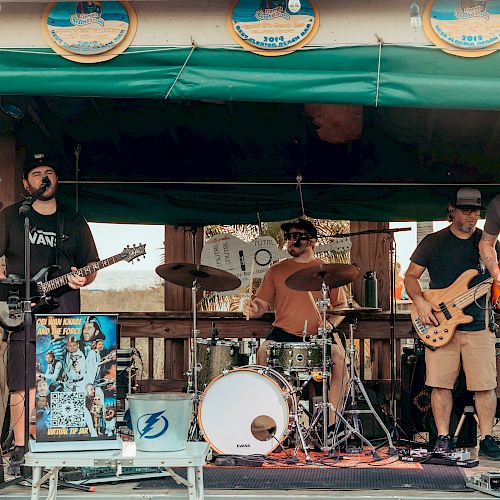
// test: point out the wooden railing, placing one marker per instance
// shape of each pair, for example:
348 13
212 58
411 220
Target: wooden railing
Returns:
162 340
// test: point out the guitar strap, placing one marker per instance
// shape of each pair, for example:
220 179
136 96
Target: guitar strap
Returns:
60 236
488 319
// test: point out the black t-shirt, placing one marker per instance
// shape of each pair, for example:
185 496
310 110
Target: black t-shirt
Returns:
446 257
76 247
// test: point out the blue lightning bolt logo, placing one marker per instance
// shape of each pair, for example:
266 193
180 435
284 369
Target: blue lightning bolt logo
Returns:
153 422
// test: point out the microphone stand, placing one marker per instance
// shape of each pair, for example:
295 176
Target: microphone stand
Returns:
392 309
24 209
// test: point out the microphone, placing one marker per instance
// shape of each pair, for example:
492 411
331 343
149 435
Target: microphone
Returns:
46 181
299 240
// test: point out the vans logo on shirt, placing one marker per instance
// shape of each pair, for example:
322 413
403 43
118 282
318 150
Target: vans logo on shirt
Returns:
39 237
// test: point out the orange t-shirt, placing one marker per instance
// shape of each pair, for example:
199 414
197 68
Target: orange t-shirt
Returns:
292 307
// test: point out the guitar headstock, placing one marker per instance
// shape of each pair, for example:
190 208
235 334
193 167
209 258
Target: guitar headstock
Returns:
129 253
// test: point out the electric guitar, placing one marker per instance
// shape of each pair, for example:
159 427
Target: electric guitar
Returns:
451 302
228 253
10 310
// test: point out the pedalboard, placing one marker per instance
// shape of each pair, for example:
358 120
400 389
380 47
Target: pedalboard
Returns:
459 458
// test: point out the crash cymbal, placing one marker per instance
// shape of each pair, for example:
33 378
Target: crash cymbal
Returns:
207 278
348 311
311 278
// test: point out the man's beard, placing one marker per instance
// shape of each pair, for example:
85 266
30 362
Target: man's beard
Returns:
47 198
467 229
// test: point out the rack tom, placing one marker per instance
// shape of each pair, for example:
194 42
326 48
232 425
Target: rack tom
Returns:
295 356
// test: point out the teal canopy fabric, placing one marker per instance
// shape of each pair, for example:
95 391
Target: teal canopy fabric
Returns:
409 76
201 204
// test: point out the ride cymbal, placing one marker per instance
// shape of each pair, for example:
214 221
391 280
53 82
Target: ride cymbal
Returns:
311 278
207 278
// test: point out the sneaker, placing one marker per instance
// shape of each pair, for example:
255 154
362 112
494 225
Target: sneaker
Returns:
488 447
443 444
15 461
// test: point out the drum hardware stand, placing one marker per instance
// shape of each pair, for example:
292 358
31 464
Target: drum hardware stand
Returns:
353 384
295 414
322 408
392 308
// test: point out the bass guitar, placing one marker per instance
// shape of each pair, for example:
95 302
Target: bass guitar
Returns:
451 302
228 253
13 287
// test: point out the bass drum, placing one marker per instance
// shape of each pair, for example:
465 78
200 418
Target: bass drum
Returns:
246 411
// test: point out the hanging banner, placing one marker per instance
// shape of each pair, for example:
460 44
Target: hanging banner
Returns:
75 397
273 27
467 28
89 32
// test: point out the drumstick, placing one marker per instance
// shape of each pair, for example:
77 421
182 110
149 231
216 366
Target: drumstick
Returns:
315 306
250 285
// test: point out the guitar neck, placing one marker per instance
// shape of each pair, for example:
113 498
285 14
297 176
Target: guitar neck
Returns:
473 293
93 267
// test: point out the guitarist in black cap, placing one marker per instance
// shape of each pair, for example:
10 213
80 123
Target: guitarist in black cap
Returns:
447 254
59 237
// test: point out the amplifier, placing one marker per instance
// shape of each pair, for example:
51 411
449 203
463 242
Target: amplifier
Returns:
416 412
123 373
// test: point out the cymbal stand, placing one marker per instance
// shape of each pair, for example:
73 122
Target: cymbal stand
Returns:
356 383
193 370
324 406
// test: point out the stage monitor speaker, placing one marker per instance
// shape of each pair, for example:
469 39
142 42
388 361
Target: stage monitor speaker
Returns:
416 411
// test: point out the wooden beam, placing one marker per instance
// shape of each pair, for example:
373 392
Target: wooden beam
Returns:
179 248
371 253
11 160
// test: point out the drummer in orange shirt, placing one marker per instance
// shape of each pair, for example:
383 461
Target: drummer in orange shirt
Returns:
294 310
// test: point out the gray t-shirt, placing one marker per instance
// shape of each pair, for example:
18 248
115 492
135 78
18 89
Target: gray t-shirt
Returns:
492 224
446 257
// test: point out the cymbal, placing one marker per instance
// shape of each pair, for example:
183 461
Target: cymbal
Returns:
207 278
348 311
311 278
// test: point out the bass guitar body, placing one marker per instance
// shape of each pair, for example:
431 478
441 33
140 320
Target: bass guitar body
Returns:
450 314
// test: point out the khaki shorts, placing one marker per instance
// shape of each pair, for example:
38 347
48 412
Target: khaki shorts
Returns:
477 351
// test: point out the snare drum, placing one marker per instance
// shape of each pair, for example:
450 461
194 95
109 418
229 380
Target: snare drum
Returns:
246 411
214 359
295 356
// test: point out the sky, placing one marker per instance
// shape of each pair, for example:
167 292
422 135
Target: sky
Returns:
112 238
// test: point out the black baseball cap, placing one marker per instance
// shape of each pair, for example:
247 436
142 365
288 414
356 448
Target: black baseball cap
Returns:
39 160
306 225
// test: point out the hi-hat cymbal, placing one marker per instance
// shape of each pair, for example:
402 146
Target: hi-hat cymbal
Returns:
351 311
311 278
207 278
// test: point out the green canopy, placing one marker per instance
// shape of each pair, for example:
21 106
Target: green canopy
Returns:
376 75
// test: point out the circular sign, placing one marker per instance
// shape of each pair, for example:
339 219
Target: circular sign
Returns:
471 26
270 28
89 31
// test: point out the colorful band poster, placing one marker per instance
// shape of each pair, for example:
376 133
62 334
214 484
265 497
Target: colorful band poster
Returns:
75 397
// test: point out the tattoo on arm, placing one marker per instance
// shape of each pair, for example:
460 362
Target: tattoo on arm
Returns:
489 238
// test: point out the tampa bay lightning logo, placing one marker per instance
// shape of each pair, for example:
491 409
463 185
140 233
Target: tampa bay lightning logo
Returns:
152 425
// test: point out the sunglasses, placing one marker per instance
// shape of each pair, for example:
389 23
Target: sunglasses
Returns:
297 236
468 211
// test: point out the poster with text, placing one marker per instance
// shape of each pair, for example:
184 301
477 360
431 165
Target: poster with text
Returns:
75 397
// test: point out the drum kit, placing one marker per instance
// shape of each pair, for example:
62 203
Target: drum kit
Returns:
246 409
